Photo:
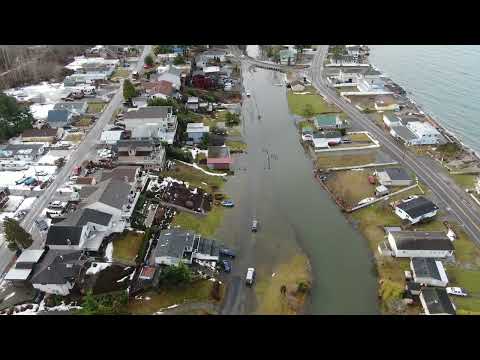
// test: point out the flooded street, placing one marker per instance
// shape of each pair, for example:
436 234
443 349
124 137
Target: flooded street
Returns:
273 182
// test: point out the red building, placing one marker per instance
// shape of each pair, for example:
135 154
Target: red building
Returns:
219 157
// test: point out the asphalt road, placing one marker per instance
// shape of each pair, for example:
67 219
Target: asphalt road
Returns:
79 155
455 200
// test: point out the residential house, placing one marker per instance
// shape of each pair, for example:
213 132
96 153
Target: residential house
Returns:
219 157
412 244
140 152
403 133
287 56
425 133
157 122
391 120
370 81
81 230
176 246
325 139
394 177
192 103
22 152
416 209
328 122
113 135
58 271
24 266
163 89
196 132
214 54
172 76
140 101
428 271
47 135
60 118
348 76
435 301
353 50
75 107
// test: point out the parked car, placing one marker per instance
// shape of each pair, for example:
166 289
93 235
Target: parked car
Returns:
456 291
38 297
227 203
254 225
42 225
250 278
227 252
227 266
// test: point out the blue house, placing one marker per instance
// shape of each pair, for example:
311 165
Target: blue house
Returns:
59 118
195 132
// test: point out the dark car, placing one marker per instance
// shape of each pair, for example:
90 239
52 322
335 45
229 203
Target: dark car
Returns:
41 224
38 297
227 252
227 266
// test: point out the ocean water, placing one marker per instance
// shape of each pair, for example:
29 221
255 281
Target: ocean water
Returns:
444 80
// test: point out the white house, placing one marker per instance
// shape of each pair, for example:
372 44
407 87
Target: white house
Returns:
412 244
435 301
192 103
370 81
112 135
196 131
416 209
325 139
425 133
394 177
428 271
157 122
391 120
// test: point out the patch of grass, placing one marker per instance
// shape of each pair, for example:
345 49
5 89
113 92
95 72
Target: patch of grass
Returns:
298 102
204 225
76 138
468 279
334 160
466 181
84 121
234 131
270 300
120 73
126 247
194 177
359 137
95 107
351 186
236 146
466 252
196 291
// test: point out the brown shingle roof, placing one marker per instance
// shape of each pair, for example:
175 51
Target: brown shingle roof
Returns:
46 132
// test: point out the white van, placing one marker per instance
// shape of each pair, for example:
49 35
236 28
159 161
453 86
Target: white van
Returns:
250 276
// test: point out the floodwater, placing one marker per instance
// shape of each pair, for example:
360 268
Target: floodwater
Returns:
273 182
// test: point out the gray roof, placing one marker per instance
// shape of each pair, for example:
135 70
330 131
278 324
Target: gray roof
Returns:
426 267
437 301
30 256
417 207
397 174
421 240
149 112
218 152
327 134
58 234
120 172
172 243
111 192
372 71
142 145
404 132
58 115
58 267
83 216
14 148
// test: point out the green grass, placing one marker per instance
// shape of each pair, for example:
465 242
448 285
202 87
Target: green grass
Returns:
298 102
204 225
95 107
466 181
194 177
359 137
236 146
76 138
234 131
84 121
120 73
334 160
197 291
127 246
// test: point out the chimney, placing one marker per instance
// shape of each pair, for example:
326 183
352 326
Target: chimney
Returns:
49 268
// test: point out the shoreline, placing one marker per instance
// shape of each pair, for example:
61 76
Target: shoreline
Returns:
430 116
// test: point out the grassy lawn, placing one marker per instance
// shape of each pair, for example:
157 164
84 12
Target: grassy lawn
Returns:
466 181
197 291
359 137
298 102
204 225
126 247
76 138
95 107
235 131
120 73
351 186
270 300
84 121
236 146
335 160
194 177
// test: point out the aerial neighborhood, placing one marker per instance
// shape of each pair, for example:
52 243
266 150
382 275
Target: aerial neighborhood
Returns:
158 179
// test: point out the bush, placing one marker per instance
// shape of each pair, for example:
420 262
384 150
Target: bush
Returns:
302 287
178 154
232 119
176 275
179 60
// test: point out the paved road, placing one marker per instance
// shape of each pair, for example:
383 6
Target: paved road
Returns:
453 199
80 154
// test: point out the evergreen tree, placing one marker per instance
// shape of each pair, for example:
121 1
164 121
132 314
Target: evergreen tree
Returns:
14 118
149 60
15 235
129 90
